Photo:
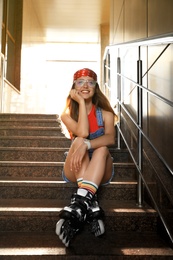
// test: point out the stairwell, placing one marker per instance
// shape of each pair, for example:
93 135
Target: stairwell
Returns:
32 193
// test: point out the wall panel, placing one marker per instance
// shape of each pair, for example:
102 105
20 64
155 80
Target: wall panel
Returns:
117 21
1 83
135 19
160 115
160 17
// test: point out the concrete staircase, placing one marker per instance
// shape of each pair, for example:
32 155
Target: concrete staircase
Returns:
32 193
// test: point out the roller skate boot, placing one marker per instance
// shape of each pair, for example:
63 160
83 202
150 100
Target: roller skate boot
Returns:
72 218
95 218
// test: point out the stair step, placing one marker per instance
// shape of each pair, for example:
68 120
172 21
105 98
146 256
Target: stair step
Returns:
42 215
30 131
45 188
32 194
32 154
29 122
112 245
34 141
12 116
54 169
50 154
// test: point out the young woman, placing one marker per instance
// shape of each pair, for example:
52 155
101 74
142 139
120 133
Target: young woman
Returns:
89 119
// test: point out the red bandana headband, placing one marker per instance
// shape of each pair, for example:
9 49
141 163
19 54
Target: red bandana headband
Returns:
85 72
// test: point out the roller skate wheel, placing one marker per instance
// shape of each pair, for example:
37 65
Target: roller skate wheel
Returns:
58 226
66 243
101 228
60 232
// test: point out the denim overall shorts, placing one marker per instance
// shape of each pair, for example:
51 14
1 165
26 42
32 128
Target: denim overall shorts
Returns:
91 136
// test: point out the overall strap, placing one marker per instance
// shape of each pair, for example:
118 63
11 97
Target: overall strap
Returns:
99 117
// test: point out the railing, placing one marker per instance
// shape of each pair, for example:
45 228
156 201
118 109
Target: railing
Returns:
2 82
110 69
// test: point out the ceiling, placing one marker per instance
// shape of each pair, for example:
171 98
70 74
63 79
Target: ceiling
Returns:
72 20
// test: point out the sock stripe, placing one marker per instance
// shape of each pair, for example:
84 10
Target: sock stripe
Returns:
90 186
79 182
91 183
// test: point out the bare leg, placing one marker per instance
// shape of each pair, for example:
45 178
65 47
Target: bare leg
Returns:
99 169
73 176
96 170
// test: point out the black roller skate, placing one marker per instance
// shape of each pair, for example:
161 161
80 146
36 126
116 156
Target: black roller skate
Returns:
95 218
72 218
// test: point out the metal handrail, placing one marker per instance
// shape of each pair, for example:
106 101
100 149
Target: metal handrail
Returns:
155 204
165 100
153 40
165 39
148 140
2 82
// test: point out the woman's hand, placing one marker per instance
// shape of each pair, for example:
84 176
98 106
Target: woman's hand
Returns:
77 157
75 95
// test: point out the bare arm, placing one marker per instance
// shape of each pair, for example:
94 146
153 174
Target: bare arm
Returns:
107 139
80 128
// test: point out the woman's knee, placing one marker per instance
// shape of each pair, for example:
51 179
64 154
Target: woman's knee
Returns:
102 151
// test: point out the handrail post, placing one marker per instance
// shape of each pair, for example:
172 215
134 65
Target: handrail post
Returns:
140 137
118 99
2 84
